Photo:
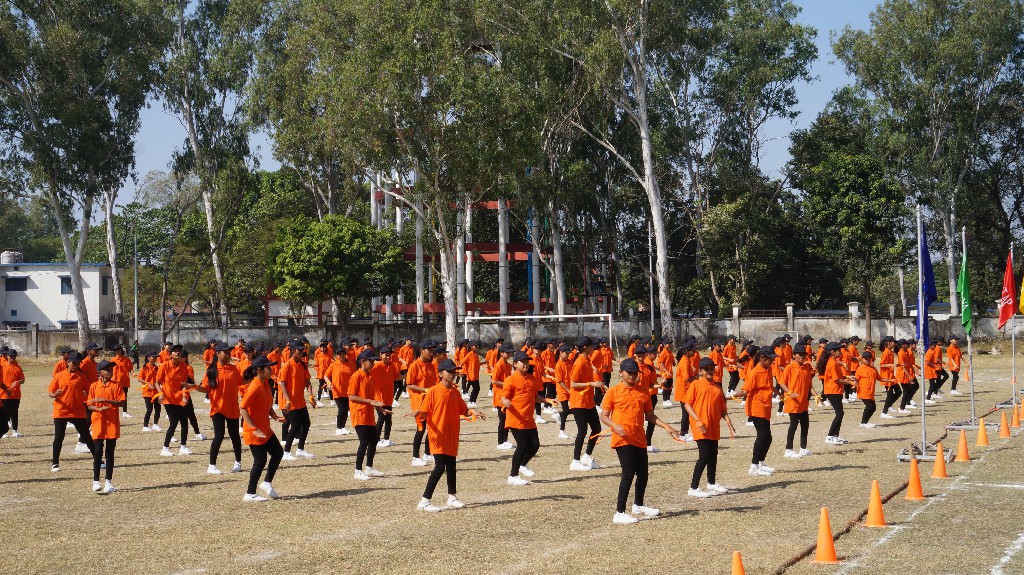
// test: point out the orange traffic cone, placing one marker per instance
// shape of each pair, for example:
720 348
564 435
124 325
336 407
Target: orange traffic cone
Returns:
982 434
914 491
961 451
1015 420
939 469
1004 428
737 564
876 518
825 552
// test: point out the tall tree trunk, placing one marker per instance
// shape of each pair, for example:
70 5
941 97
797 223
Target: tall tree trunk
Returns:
951 238
556 249
108 205
867 307
446 263
74 255
218 271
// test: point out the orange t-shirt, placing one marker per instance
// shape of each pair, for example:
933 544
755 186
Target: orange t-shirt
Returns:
88 368
339 373
70 404
147 375
547 362
422 374
443 408
955 357
798 379
224 397
627 406
708 401
294 376
490 358
521 390
208 355
666 362
11 373
719 359
106 424
597 361
122 370
384 375
256 403
61 365
471 365
607 359
562 380
170 378
867 377
322 359
502 369
163 357
888 358
582 372
729 353
361 385
684 375
759 393
932 358
833 373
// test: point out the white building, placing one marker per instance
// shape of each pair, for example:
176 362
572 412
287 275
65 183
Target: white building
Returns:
41 293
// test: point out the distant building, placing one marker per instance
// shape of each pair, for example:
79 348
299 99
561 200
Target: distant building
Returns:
41 293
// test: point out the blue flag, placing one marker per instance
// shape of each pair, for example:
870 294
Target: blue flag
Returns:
927 280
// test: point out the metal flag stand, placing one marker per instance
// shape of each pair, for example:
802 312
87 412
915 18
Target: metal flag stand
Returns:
922 451
1010 403
972 423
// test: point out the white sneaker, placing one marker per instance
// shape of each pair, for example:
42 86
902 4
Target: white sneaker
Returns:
624 519
471 405
653 449
791 454
831 440
465 396
81 448
717 489
645 511
127 415
936 396
563 435
156 427
405 395
887 416
805 452
288 456
903 411
688 437
750 424
319 404
576 465
526 471
69 425
954 392
373 472
97 486
868 425
304 453
212 470
913 403
697 493
252 497
490 393
147 428
911 407
387 443
766 468
237 467
758 470
418 462
174 439
548 411
268 489
200 437
342 431
361 475
929 402
184 450
516 480
507 446
55 468
539 420
206 400
16 434
454 502
166 452
425 505
667 403
588 460
108 488
428 458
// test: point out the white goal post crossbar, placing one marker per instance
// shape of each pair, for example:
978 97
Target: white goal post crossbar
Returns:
605 316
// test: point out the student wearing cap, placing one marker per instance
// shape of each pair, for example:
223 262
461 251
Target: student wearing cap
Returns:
339 373
521 392
583 383
906 372
190 408
88 365
500 372
150 393
834 378
442 409
69 390
867 377
221 384
384 374
256 409
649 380
547 359
684 376
471 369
123 369
731 364
363 407
174 380
322 358
797 387
105 396
562 390
209 353
757 389
294 385
11 377
705 407
886 371
608 358
933 371
62 363
624 410
666 365
954 360
422 376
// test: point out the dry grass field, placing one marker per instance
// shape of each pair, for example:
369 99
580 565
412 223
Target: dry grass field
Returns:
171 517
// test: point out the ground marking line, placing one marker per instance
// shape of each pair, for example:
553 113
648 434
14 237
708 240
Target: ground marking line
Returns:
1012 550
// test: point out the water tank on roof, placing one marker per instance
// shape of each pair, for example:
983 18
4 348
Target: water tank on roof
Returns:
11 257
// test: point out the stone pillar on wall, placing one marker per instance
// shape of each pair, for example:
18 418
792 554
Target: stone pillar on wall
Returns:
35 340
790 322
736 320
892 320
854 316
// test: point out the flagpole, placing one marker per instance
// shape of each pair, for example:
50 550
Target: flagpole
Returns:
922 318
970 350
1013 344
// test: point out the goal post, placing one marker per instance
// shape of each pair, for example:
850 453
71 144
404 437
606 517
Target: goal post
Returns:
523 326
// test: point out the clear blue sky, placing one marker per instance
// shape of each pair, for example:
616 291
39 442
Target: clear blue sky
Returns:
161 133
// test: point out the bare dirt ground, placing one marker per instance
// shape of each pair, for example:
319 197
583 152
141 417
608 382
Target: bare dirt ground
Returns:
171 517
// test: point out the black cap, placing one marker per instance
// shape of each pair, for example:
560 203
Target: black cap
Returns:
506 349
707 363
629 365
520 356
767 351
447 365
261 362
640 350
368 355
800 350
833 346
249 348
584 342
105 365
91 346
730 336
209 341
866 355
385 349
787 337
564 349
869 343
75 357
12 353
221 346
65 349
822 340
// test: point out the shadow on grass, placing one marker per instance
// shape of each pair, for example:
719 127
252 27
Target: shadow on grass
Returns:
573 478
40 480
339 493
738 508
524 500
679 513
829 468
876 440
185 484
765 486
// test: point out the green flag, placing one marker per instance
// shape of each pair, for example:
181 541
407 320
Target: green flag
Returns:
963 290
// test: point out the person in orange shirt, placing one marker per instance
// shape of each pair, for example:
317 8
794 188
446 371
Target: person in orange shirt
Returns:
546 360
650 379
239 350
294 385
933 359
123 374
887 369
563 392
63 363
150 391
69 390
404 357
209 353
339 373
190 408
834 378
322 358
633 342
105 396
906 374
867 378
174 381
11 379
256 409
731 364
363 407
499 374
165 353
88 365
683 377
625 409
421 377
607 359
221 384
384 375
442 409
705 406
274 356
955 360
757 389
583 381
797 387
521 392
666 365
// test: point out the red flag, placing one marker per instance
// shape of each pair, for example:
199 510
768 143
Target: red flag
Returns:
1008 303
